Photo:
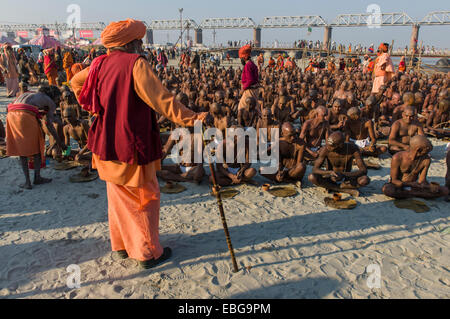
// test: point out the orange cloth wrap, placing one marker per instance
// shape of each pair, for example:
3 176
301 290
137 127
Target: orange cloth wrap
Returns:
117 34
133 215
24 135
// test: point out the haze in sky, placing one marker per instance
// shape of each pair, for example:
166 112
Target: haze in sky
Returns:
51 11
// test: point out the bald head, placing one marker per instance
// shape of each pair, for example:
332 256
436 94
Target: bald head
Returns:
420 142
321 111
335 139
353 112
371 100
287 129
408 98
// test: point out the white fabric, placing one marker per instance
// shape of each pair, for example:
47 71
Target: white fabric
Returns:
362 143
185 169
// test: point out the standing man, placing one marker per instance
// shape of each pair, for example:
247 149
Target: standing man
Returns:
260 61
122 90
249 78
8 65
67 64
24 134
383 69
50 67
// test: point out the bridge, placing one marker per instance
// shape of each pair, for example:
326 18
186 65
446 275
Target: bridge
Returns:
371 20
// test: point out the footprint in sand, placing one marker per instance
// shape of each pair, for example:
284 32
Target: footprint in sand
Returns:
222 277
118 289
16 273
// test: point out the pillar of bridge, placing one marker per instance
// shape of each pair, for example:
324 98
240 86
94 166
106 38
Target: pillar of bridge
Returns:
198 36
149 36
257 37
327 37
414 37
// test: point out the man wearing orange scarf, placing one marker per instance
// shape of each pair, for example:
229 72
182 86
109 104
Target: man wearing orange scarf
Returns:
50 68
383 68
124 93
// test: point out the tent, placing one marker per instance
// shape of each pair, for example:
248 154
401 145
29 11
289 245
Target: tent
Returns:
46 42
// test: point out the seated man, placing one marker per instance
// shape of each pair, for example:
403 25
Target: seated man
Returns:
409 171
78 130
222 120
402 130
337 117
362 133
313 131
291 167
188 171
266 121
339 157
233 173
248 115
437 120
408 100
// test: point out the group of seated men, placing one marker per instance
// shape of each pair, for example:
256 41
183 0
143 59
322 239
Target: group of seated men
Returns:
329 119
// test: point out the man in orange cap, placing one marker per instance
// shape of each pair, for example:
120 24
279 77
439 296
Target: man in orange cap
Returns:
249 78
383 68
124 93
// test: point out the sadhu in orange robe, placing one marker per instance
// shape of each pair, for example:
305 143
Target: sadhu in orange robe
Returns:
132 189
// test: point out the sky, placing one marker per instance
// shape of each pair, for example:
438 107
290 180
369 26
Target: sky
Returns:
51 11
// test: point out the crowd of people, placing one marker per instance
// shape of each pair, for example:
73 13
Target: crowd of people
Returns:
330 117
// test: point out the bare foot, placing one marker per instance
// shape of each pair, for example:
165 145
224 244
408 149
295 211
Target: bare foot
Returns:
42 180
26 186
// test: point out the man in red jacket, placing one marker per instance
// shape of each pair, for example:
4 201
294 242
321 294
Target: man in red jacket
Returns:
249 78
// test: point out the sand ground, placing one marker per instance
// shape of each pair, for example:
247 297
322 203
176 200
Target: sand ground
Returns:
285 248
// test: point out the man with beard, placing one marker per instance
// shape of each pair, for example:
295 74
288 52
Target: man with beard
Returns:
123 91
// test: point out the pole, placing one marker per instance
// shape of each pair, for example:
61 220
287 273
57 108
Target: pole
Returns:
181 27
216 191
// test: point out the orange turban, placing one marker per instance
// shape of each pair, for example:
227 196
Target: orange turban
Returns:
383 47
245 51
117 34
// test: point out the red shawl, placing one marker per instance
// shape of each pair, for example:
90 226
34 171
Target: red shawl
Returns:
88 98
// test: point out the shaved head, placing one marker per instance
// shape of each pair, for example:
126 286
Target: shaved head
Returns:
353 111
420 141
335 139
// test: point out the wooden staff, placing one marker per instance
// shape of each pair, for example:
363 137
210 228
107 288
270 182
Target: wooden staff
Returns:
216 191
